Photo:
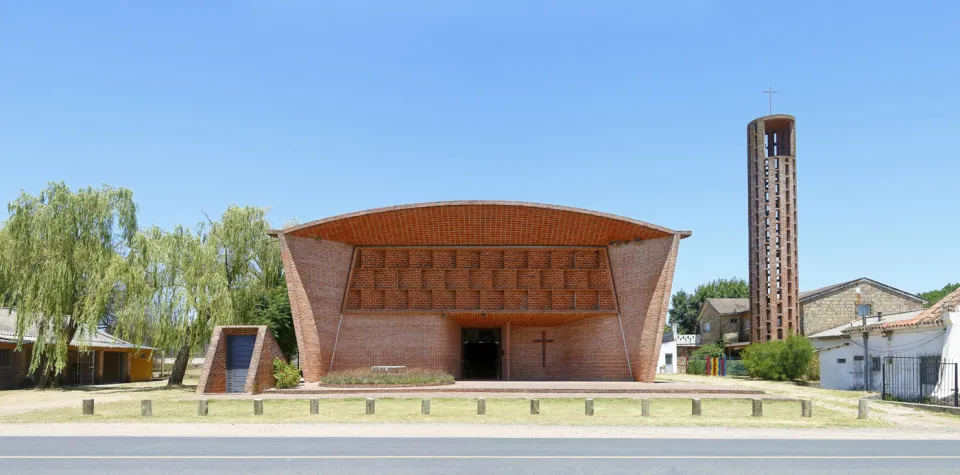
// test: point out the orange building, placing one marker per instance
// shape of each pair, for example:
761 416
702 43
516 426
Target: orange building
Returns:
105 359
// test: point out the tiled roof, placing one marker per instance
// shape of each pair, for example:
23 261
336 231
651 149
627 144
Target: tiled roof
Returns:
811 294
100 339
932 315
871 323
730 306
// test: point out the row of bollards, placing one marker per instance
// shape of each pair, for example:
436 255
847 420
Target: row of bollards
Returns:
696 409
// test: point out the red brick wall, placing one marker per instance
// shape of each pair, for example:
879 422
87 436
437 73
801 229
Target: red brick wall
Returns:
590 349
397 297
213 374
415 341
643 277
265 351
316 273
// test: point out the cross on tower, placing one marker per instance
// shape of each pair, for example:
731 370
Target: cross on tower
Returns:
770 92
543 342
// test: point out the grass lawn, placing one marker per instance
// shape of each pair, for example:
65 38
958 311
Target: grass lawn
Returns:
567 411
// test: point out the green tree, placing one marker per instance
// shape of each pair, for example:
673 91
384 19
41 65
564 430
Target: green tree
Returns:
685 308
180 294
62 263
273 310
248 261
934 296
683 313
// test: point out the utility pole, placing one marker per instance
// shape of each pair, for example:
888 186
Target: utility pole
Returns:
866 351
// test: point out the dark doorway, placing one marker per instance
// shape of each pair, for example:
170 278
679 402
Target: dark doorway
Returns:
113 367
481 353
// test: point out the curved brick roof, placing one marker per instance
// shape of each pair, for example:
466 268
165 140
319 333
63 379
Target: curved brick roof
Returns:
479 223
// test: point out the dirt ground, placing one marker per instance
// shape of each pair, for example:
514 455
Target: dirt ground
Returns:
29 400
902 418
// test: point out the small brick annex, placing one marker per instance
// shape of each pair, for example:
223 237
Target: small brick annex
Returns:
573 294
260 376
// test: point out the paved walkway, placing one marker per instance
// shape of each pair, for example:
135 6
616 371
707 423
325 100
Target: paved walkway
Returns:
526 388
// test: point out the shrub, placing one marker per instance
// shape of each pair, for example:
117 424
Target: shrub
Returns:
696 366
778 359
813 369
697 362
365 376
286 374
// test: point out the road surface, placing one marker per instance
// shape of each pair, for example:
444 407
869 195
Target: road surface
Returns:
411 455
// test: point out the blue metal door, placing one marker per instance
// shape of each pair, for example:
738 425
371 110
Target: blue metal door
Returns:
239 353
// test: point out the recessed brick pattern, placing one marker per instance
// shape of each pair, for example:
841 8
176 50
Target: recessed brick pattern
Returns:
451 279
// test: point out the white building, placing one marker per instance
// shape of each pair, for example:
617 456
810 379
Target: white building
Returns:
921 335
674 350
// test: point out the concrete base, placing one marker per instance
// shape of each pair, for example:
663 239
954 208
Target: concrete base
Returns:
528 387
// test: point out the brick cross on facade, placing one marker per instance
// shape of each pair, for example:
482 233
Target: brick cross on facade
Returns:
543 342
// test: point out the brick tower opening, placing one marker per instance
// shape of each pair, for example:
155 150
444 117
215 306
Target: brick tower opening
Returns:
772 205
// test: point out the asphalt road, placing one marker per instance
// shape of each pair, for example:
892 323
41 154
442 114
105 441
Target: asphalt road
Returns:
166 455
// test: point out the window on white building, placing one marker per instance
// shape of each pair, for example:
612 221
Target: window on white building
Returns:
668 358
841 360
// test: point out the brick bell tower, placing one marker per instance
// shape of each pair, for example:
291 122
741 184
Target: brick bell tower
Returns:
772 209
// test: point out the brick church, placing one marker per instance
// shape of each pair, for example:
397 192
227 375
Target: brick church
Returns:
482 290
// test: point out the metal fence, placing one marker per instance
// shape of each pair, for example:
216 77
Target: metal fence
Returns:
926 379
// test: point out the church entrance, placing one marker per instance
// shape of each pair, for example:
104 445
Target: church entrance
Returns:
481 353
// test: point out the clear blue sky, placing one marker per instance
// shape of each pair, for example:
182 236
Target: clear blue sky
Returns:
637 108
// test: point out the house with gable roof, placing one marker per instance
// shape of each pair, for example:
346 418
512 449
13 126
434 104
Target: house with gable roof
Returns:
852 355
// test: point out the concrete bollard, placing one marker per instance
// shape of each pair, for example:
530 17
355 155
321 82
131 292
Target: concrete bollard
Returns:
314 406
806 408
371 406
588 407
863 411
757 407
203 407
88 407
481 407
645 407
146 408
258 407
696 408
425 407
534 407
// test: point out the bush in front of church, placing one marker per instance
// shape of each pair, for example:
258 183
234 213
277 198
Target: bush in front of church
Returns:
286 374
778 360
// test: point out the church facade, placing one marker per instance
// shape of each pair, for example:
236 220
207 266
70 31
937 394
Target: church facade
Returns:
482 290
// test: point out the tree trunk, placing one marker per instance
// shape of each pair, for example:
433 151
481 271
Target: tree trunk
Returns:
48 375
48 378
179 366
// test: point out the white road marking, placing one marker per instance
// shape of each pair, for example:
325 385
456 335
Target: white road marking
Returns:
506 457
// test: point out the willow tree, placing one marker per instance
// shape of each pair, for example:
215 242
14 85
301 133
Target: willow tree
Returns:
180 294
61 252
195 281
